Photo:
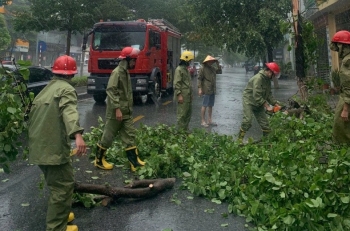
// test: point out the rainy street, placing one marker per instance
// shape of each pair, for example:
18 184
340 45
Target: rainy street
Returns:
227 111
24 204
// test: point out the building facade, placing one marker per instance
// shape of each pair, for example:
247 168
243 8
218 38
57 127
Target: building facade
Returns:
328 17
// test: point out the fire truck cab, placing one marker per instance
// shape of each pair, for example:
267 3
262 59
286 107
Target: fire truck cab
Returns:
160 48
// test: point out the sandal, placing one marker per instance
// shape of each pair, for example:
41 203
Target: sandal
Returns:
213 124
205 125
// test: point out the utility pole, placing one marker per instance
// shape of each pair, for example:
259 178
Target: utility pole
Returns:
82 59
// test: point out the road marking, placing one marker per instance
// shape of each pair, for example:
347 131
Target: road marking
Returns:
138 118
166 103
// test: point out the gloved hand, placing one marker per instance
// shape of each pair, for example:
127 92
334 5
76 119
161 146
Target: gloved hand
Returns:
276 108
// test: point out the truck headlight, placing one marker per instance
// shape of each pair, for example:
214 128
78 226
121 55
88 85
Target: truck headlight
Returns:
91 81
141 81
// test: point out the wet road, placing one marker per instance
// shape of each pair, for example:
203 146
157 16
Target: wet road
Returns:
23 204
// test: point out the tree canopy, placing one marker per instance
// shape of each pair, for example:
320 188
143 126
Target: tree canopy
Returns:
5 38
62 15
245 27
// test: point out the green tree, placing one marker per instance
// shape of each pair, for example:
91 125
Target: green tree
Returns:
63 15
250 27
112 10
11 11
5 38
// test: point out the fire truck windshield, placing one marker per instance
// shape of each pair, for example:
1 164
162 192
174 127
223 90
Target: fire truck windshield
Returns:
114 39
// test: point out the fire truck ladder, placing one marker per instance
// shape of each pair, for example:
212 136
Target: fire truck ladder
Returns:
164 24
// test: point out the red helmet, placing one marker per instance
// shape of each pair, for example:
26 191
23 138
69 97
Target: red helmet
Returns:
273 67
129 52
64 65
342 36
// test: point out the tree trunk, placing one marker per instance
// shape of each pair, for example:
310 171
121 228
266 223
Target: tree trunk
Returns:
270 59
69 37
269 53
300 61
136 189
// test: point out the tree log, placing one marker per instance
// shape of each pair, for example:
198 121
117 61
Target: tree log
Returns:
136 189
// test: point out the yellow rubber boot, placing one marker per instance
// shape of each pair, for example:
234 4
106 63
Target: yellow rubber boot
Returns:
132 154
138 159
100 160
71 217
72 228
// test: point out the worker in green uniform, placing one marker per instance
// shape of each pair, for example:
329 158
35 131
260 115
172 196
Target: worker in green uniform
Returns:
207 88
119 112
183 91
53 122
341 126
257 98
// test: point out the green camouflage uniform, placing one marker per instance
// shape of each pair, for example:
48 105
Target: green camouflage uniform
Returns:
119 95
183 86
53 122
256 93
341 129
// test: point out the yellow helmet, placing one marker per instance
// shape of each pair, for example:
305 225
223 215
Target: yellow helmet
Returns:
187 56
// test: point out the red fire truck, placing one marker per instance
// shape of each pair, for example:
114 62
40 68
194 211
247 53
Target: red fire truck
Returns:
159 45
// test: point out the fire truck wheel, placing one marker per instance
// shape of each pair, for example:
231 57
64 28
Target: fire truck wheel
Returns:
156 92
100 98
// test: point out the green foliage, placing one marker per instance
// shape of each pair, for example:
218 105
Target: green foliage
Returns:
294 179
79 81
310 40
5 38
87 200
242 26
335 78
13 104
62 15
12 10
286 68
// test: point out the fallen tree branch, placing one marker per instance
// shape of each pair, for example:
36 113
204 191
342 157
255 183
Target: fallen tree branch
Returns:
136 189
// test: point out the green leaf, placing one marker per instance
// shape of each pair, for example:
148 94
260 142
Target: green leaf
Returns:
255 206
222 194
282 195
331 215
224 225
11 110
345 200
217 201
288 220
224 183
25 204
209 210
7 148
186 174
268 176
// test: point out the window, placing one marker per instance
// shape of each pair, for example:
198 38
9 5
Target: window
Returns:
115 38
154 39
38 74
